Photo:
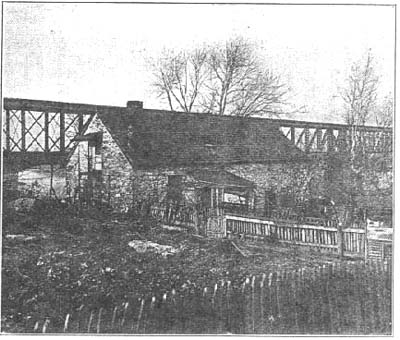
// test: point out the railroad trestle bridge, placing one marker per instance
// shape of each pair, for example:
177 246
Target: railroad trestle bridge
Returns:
43 132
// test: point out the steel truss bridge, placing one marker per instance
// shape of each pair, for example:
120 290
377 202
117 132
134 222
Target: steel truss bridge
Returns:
42 132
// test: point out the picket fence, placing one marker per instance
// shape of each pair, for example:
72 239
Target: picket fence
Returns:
337 298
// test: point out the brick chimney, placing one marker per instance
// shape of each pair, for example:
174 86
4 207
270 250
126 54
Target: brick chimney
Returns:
134 105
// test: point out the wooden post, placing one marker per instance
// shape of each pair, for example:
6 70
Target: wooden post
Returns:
66 323
147 324
45 325
253 316
365 239
292 135
8 130
99 321
294 287
319 137
262 301
51 179
329 140
46 132
140 316
80 124
79 323
124 315
23 131
307 145
62 132
340 240
247 307
90 322
114 315
228 306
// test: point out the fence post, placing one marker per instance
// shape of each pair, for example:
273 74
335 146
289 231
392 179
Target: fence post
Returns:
366 240
79 318
214 306
90 322
149 316
294 290
114 315
66 323
253 304
340 240
311 317
262 301
140 315
220 308
327 274
45 325
124 315
99 321
371 292
247 311
278 295
387 292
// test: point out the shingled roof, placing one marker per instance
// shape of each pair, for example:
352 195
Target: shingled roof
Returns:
156 138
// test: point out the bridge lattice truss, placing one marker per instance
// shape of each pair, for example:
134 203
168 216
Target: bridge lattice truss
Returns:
45 129
37 126
337 138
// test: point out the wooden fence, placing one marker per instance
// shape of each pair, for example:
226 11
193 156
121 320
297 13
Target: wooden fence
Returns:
322 237
339 298
177 215
320 234
207 221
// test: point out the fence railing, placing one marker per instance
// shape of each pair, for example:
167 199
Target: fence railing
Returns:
317 233
288 215
303 234
337 298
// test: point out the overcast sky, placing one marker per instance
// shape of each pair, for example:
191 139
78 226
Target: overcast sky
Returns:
98 53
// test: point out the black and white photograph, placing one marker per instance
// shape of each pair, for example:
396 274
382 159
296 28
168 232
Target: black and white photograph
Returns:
197 168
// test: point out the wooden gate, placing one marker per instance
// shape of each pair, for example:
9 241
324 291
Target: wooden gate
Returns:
215 226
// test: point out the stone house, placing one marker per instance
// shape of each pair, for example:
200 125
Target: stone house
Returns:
128 155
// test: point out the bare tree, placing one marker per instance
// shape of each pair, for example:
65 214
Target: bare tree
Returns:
368 173
221 79
179 78
384 114
359 96
361 92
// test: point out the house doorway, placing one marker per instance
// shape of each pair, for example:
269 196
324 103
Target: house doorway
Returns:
90 164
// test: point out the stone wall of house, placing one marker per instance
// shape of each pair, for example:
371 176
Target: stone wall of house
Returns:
121 185
116 179
152 185
304 179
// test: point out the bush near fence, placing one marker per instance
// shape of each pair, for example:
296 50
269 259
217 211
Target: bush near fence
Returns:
339 298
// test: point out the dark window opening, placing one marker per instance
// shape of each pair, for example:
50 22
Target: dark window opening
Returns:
175 188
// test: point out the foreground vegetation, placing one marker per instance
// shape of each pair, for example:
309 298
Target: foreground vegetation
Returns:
62 261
